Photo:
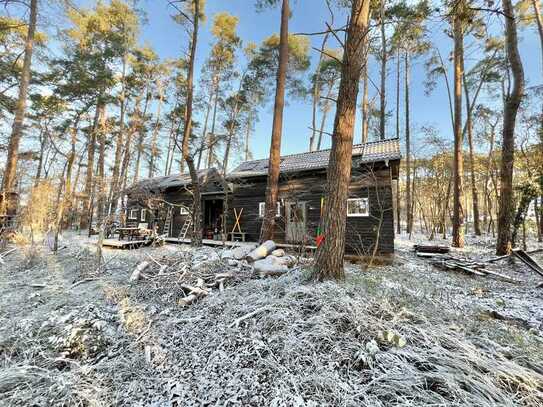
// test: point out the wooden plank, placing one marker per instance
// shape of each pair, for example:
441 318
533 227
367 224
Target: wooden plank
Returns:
123 244
526 259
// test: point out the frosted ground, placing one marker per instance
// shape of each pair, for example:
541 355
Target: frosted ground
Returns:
403 334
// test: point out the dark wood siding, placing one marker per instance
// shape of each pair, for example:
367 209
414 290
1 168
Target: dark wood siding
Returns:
309 188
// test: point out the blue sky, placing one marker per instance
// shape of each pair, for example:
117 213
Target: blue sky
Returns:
309 16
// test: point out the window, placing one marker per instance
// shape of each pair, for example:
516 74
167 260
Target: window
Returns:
142 216
133 214
262 209
183 211
358 207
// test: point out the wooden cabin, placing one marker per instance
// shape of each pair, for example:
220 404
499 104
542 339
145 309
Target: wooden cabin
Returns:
302 190
166 203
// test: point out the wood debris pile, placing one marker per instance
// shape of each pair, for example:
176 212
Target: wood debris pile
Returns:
189 276
439 257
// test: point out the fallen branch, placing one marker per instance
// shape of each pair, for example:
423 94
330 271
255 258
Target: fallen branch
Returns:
137 273
247 316
86 280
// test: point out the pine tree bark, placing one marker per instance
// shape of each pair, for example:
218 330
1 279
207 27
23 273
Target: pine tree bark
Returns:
398 203
101 181
474 191
317 94
458 163
204 131
408 185
115 177
154 137
10 171
268 226
212 137
512 103
365 104
330 255
141 131
187 131
87 193
382 90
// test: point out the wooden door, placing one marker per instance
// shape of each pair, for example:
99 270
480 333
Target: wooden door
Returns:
296 214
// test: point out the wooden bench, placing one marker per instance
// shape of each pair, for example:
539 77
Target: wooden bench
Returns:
237 236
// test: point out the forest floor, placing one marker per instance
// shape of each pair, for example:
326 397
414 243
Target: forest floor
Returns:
400 334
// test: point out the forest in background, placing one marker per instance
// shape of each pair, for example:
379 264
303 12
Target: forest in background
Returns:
80 125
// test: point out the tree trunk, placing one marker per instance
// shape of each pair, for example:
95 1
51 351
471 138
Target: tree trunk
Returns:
91 146
212 137
398 205
408 197
325 111
141 131
512 103
43 142
474 191
154 138
10 171
539 21
204 131
458 163
248 135
382 90
115 178
317 94
330 254
365 103
268 225
101 181
187 131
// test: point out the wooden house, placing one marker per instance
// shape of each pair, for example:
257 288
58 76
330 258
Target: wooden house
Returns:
166 203
302 191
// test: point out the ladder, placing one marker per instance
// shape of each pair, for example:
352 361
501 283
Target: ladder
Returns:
185 228
167 223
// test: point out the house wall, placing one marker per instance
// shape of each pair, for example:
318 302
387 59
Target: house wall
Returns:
373 183
309 188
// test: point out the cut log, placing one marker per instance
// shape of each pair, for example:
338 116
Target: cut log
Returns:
261 251
267 268
432 249
137 273
278 253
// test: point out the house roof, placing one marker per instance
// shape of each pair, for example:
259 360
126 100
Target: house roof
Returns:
173 181
365 153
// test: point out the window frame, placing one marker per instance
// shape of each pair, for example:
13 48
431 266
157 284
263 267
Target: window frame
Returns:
142 215
359 215
133 217
183 211
262 209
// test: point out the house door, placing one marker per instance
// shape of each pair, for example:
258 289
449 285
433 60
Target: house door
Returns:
295 221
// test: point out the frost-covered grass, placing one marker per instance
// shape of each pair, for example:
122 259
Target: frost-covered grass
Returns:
404 334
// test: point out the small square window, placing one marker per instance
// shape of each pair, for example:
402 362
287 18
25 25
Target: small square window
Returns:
358 207
262 209
183 211
133 214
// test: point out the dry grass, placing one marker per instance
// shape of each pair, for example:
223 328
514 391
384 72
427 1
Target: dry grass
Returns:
277 342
